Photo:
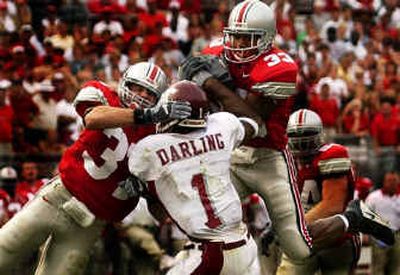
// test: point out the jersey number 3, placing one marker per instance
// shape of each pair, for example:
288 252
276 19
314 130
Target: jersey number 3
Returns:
275 59
212 219
110 156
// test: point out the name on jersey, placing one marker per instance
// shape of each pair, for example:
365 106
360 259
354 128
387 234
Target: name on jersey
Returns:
191 148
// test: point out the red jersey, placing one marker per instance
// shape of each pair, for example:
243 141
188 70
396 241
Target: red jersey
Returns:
6 123
332 160
272 74
25 191
94 165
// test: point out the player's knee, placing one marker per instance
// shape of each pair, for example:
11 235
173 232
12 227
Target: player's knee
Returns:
295 246
297 253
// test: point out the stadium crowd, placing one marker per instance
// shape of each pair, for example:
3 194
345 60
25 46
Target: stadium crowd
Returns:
348 53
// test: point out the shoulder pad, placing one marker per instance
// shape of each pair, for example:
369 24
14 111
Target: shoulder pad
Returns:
275 75
93 91
333 159
215 48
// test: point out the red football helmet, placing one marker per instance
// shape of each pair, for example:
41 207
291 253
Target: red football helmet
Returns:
186 91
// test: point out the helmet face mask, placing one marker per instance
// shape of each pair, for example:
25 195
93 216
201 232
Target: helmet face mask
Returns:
304 131
192 93
255 20
137 78
133 95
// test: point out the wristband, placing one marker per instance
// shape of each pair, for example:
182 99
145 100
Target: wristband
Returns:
201 77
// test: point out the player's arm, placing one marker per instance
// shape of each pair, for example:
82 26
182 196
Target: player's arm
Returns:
210 73
251 128
231 102
334 195
101 117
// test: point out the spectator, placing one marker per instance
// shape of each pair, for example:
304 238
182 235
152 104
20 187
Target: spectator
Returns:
152 18
386 202
50 22
113 58
45 123
363 187
338 87
384 132
7 23
24 14
62 39
108 23
355 119
178 26
326 107
17 67
6 119
30 182
8 179
33 47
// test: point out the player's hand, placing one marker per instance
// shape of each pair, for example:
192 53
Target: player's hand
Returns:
267 238
133 186
163 112
200 68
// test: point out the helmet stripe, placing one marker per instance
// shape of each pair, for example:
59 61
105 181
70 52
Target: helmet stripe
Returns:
242 11
247 11
153 73
301 117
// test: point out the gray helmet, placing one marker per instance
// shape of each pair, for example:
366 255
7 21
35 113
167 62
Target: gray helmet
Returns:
304 130
254 18
146 75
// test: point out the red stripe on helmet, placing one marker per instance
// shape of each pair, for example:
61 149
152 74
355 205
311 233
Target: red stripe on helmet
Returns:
153 74
242 13
301 117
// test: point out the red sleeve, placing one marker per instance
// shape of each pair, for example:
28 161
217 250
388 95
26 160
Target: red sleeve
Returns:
331 151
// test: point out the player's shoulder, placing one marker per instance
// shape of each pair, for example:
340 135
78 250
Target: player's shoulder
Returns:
223 120
96 91
274 66
216 47
333 158
333 150
98 86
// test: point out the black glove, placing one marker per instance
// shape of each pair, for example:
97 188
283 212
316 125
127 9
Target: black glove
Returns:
200 68
163 112
133 186
267 238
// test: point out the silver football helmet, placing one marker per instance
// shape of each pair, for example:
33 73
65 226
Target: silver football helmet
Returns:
304 130
254 19
143 74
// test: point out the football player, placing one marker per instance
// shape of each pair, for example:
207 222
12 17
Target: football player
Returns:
326 183
251 77
186 168
265 81
75 206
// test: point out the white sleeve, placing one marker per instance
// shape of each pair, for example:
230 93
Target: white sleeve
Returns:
232 126
140 162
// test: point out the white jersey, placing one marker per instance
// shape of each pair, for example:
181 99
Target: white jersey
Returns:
189 174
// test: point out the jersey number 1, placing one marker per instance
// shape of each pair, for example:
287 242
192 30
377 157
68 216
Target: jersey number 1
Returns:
212 220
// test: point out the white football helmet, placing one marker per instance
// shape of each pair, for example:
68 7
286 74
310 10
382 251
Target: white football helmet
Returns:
146 75
255 19
304 130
